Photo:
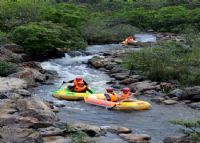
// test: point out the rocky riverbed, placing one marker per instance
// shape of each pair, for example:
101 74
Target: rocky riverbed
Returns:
26 118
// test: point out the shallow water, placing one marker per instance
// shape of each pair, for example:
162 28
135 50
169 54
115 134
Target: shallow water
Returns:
153 122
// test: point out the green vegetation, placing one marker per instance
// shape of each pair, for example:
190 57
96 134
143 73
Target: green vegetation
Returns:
77 136
71 24
191 128
36 37
7 68
168 61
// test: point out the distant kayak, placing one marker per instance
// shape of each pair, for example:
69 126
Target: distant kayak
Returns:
128 104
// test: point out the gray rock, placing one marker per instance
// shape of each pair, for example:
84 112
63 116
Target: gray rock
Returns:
10 84
14 48
99 62
30 75
33 65
127 81
51 131
56 139
36 108
90 130
120 76
170 102
180 94
196 97
23 92
116 129
136 138
178 140
158 99
18 135
7 55
195 105
191 91
144 85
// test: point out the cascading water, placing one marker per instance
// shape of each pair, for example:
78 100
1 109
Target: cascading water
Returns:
153 122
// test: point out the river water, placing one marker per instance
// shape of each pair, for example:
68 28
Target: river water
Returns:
153 122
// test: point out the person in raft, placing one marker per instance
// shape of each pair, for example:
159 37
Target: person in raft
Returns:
79 85
126 93
111 95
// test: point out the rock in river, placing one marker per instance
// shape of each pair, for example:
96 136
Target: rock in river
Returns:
11 83
136 138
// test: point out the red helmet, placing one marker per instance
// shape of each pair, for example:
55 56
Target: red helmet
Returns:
126 89
109 89
81 83
79 78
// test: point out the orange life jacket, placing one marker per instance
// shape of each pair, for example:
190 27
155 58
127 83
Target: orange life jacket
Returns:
80 89
75 82
125 95
113 97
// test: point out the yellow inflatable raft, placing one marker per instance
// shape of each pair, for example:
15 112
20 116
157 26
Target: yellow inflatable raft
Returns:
128 104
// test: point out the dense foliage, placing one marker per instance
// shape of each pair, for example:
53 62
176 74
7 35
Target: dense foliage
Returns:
191 128
168 61
40 36
7 68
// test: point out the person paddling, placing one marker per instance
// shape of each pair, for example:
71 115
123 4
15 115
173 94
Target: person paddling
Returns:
111 95
80 87
126 93
75 82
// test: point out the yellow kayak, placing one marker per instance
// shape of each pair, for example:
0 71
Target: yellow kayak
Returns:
66 94
128 104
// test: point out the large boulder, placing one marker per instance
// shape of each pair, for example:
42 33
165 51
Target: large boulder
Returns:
36 108
33 65
9 56
170 102
136 138
144 85
90 130
181 94
11 83
193 91
195 105
120 76
30 75
116 129
99 62
19 135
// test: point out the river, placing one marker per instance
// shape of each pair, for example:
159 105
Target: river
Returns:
153 122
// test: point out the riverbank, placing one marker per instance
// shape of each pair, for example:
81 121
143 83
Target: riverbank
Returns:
32 119
32 74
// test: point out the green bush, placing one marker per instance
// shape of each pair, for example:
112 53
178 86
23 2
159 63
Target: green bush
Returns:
3 37
7 68
15 13
167 62
66 13
37 37
191 128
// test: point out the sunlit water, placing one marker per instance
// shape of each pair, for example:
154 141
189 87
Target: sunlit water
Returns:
153 122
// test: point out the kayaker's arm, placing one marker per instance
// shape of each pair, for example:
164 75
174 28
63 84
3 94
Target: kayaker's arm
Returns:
71 81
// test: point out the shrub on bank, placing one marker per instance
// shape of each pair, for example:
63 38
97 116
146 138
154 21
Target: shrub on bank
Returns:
7 68
38 37
166 62
190 128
